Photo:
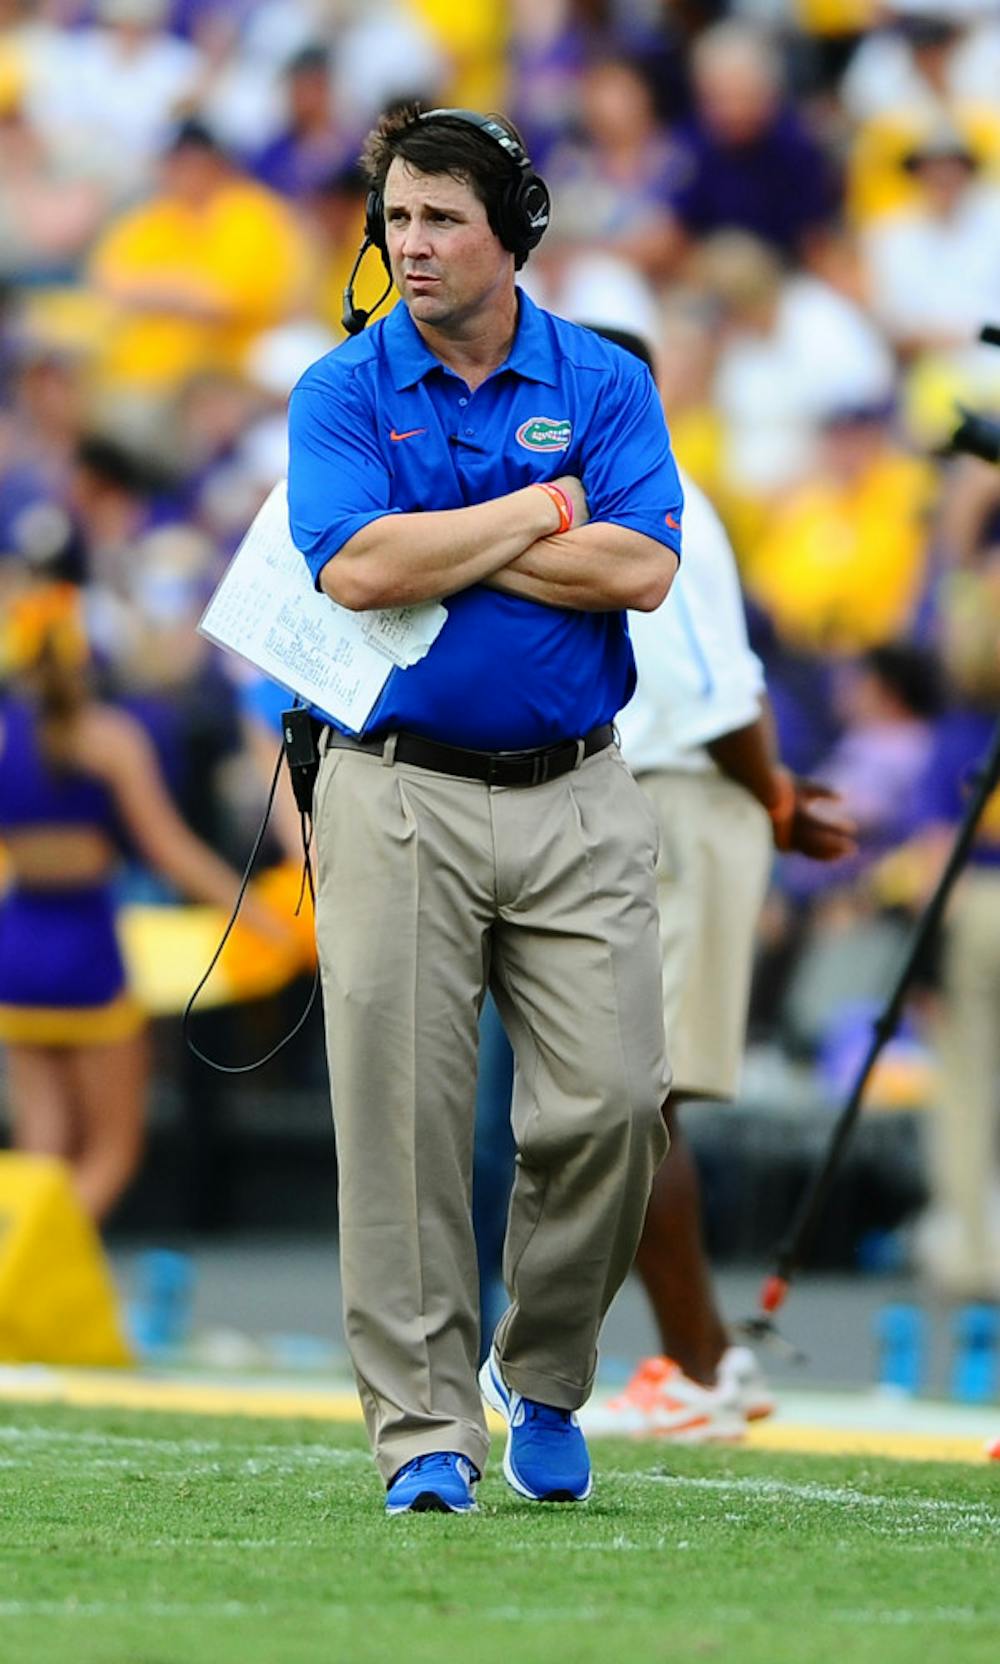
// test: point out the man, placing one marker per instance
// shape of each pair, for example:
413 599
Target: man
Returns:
744 159
484 829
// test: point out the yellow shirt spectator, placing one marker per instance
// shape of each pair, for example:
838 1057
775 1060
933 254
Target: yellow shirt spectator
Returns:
878 182
192 275
841 562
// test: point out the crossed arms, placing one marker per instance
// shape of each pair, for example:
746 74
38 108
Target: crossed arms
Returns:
508 544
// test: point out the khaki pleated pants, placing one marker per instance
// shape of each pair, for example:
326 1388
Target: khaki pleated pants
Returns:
965 1143
430 887
716 854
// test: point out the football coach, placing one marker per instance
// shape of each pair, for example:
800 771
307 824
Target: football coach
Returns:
483 829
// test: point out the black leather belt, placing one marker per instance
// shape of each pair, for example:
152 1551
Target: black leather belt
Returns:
494 768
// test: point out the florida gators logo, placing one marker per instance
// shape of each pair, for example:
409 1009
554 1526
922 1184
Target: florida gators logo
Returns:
544 433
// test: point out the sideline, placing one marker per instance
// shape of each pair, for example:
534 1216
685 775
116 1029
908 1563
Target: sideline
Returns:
808 1423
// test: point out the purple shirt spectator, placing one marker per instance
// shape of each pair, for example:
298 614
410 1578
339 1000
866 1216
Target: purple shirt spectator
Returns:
296 166
545 77
749 163
778 185
889 700
314 142
610 188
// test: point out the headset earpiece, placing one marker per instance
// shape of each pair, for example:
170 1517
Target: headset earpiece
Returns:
375 226
523 212
530 210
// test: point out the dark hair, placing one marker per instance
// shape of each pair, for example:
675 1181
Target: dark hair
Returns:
911 672
308 60
445 145
923 32
115 465
193 133
61 692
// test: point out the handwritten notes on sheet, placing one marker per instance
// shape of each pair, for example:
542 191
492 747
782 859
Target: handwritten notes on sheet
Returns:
266 610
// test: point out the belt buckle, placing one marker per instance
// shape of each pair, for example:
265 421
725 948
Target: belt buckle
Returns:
501 762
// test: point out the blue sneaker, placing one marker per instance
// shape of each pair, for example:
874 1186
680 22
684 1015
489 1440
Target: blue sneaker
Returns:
546 1457
440 1483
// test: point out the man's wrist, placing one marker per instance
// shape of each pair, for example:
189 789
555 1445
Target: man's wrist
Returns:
780 805
561 501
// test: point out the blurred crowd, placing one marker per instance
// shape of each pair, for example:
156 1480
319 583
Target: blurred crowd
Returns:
797 202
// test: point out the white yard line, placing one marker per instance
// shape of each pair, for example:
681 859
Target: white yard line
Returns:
127 1608
890 1617
307 1453
844 1495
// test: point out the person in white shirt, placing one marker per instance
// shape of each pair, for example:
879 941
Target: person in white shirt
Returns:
928 56
108 95
698 737
791 349
934 271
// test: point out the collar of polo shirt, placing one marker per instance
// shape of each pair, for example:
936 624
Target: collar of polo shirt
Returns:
531 355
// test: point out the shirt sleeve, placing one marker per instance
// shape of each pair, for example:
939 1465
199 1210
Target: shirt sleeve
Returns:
707 606
338 480
629 472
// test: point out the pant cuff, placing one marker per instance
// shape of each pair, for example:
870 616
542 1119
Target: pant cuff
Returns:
455 1436
547 1388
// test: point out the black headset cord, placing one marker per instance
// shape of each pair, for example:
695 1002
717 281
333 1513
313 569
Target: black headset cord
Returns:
307 879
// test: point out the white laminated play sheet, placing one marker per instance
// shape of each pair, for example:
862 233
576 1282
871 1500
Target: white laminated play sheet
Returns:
266 610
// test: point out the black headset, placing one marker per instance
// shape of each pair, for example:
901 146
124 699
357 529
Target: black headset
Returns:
521 216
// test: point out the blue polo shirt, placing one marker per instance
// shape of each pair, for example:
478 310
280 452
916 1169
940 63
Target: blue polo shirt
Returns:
380 426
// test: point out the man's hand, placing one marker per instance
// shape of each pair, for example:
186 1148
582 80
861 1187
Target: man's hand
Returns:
577 496
816 824
805 816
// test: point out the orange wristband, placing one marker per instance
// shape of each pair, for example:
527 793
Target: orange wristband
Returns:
563 502
782 810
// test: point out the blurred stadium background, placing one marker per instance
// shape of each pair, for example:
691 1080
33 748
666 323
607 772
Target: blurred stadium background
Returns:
798 202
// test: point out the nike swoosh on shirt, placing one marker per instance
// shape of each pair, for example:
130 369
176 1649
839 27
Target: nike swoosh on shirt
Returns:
674 525
409 434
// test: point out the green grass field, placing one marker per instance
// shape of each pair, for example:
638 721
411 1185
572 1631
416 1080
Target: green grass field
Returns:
131 1538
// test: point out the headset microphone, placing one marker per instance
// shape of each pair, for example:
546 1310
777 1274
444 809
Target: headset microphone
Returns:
354 318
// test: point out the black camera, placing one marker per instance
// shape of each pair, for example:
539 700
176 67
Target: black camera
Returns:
976 434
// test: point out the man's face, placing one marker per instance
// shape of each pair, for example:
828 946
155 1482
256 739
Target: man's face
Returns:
192 175
736 98
944 180
447 263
